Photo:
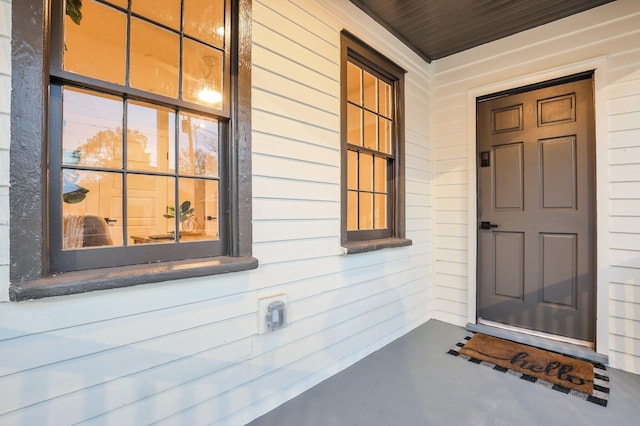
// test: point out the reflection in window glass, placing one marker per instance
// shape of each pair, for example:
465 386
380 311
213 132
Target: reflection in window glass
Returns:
198 146
102 29
365 216
92 129
380 175
150 199
352 170
165 12
155 55
370 92
352 210
204 20
202 74
365 175
380 211
150 138
91 209
354 84
198 209
92 137
384 135
370 130
384 99
354 125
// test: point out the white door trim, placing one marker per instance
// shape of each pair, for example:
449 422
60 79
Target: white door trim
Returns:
602 175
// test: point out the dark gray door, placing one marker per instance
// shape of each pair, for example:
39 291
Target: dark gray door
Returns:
536 220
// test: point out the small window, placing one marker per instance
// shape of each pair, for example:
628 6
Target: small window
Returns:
372 148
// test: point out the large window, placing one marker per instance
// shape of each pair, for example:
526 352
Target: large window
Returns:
139 154
372 148
146 150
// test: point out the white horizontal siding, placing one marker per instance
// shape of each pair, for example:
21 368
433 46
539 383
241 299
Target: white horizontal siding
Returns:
186 352
611 31
296 186
5 101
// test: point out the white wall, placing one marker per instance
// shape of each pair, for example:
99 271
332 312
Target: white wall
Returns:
187 352
606 38
5 101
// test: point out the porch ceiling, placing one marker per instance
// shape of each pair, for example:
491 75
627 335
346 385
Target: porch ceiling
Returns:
438 28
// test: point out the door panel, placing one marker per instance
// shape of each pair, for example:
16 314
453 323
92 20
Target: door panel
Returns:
509 269
508 176
556 110
558 171
536 183
506 119
558 269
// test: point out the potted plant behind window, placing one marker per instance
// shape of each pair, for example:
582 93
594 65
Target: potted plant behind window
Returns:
187 221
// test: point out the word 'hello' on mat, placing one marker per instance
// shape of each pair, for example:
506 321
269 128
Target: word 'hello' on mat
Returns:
580 378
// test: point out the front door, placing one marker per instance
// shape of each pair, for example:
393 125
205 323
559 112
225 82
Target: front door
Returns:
536 208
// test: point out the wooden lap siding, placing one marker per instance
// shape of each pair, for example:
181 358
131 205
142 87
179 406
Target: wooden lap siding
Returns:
609 31
186 352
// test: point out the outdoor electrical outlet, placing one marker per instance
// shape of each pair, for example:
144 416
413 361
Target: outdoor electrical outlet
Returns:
272 313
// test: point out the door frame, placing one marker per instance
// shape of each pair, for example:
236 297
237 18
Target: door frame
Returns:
599 66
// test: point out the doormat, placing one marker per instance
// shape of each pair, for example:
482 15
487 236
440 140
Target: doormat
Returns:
577 377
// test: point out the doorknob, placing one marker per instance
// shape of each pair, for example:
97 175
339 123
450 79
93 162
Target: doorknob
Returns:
487 225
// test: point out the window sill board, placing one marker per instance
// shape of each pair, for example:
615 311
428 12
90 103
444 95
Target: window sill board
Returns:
126 276
372 245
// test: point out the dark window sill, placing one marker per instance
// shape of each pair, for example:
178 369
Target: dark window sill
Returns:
126 276
354 247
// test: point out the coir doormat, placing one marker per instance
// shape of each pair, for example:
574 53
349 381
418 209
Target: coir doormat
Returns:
580 378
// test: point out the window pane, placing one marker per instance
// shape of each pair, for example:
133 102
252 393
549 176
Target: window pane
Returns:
91 209
366 172
166 12
202 74
154 59
366 211
384 98
198 146
354 125
370 130
198 210
102 29
91 129
352 170
380 175
352 210
150 199
354 84
150 138
385 136
370 92
204 20
380 211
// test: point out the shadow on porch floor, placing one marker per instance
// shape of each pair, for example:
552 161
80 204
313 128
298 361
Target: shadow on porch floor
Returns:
413 381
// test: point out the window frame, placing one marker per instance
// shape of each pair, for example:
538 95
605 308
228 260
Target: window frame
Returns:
364 56
30 272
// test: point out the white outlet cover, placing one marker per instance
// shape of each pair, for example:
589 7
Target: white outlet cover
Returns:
263 305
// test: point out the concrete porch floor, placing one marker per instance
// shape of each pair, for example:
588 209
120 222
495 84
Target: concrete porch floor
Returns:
413 381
